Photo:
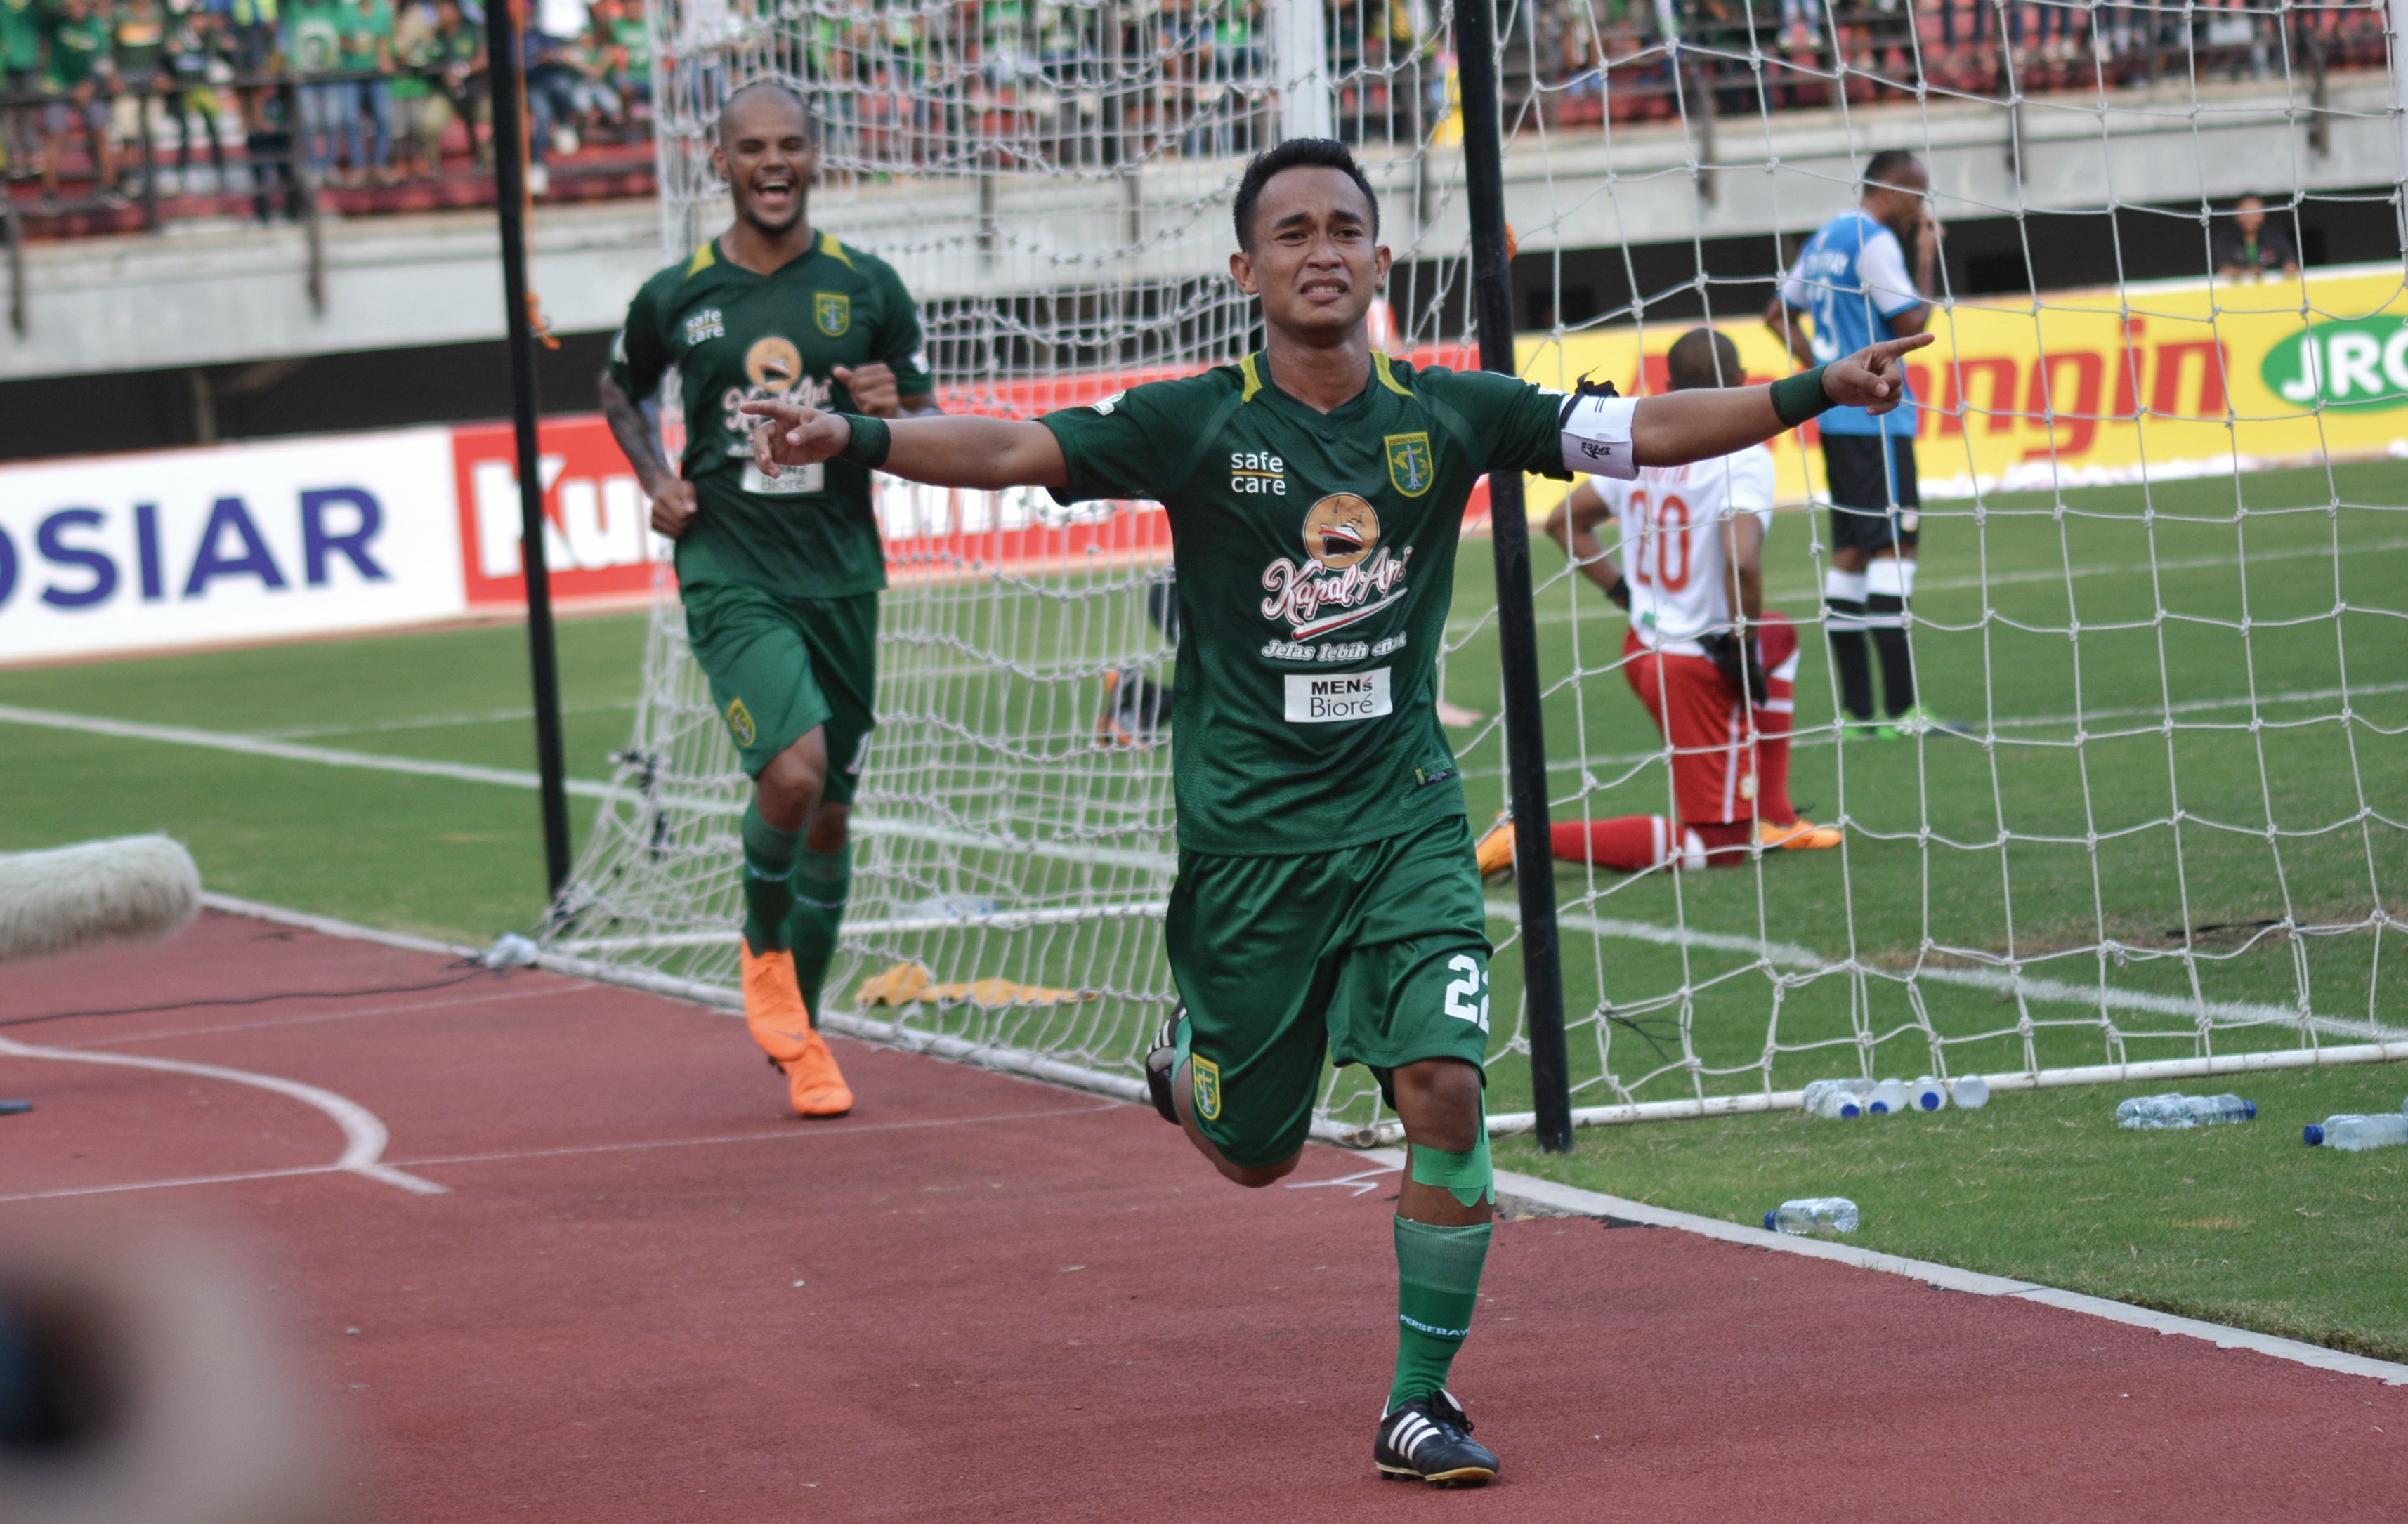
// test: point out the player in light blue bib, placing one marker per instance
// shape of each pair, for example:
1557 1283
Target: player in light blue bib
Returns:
1851 287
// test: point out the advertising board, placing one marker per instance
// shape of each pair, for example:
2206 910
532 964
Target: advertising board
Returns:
228 543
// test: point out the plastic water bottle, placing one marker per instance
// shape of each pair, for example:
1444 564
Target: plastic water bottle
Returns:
1835 1099
1926 1094
2351 1132
2155 1113
1813 1215
1886 1098
1968 1093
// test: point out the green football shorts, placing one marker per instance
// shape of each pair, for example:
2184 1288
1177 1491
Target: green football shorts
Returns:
780 666
1375 954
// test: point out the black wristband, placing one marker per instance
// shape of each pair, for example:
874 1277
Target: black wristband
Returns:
871 439
1799 397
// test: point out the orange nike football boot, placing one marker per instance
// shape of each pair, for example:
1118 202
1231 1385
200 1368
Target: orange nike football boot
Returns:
1799 835
816 1085
774 1013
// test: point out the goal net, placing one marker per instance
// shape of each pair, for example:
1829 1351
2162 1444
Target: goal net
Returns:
2162 525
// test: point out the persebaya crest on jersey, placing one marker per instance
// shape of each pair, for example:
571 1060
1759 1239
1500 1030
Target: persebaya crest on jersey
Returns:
1345 569
1411 470
1208 1088
833 311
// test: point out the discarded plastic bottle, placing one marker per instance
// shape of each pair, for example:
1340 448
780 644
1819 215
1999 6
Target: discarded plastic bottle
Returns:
1887 1097
1835 1099
2176 1110
1813 1215
2351 1132
1926 1094
2157 1113
1971 1092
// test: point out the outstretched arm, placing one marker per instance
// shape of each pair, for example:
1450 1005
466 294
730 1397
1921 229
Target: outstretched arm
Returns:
1701 422
942 452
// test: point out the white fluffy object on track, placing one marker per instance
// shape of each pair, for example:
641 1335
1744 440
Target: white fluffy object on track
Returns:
130 889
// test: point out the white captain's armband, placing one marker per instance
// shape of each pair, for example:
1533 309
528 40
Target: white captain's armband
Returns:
1595 426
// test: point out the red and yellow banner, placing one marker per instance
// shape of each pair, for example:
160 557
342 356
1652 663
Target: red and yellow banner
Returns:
2083 388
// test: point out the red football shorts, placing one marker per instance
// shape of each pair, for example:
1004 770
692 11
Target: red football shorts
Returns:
1714 756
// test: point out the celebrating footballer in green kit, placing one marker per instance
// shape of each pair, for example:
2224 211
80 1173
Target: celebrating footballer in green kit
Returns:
1327 906
779 571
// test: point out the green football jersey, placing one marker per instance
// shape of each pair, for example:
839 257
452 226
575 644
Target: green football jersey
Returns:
1316 563
737 337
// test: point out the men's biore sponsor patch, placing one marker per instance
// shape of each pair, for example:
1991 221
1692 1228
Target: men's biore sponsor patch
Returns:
1318 698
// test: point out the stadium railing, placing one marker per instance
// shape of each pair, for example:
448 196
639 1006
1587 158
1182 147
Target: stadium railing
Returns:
268 172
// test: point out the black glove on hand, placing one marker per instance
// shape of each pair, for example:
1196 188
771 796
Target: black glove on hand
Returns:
1739 663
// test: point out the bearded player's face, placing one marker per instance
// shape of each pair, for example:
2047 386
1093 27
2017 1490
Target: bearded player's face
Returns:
1314 262
766 155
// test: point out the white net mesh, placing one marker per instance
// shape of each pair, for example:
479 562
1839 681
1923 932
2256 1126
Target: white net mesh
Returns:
2163 826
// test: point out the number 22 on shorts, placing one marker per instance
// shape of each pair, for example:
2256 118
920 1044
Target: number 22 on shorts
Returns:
1462 992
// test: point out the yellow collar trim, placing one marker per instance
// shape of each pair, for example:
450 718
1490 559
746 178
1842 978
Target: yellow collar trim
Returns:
1254 381
835 250
1387 377
703 260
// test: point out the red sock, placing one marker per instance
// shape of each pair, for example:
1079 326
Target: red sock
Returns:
1627 843
1725 844
1777 643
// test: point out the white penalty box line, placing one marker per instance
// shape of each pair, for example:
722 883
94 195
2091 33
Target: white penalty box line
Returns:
1550 1197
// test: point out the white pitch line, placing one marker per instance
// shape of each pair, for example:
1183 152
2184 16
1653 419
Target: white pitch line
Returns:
409 1008
1556 1197
783 1136
364 1136
252 746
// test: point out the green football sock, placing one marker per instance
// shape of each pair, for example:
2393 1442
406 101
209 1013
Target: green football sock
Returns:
768 862
823 882
1438 1285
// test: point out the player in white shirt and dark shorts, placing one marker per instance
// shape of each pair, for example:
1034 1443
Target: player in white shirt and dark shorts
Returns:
1719 688
1851 282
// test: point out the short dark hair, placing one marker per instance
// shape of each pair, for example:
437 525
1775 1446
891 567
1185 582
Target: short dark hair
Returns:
1296 153
728 107
1885 168
1702 357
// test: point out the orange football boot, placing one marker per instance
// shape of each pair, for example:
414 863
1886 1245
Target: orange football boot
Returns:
774 1013
1799 835
816 1085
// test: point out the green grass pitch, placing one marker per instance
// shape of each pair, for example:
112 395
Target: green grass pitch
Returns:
2132 837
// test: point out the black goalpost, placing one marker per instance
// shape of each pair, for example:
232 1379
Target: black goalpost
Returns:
1517 625
509 204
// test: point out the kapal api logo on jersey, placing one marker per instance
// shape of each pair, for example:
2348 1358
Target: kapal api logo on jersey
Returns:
739 722
704 325
1346 574
773 364
833 311
1409 469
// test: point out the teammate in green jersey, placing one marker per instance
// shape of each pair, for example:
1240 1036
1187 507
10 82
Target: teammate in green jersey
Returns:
1326 902
779 571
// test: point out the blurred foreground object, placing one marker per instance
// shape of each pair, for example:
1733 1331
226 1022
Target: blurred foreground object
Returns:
129 889
139 1385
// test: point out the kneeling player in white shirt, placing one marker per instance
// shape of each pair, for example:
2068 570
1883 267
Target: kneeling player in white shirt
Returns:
1719 689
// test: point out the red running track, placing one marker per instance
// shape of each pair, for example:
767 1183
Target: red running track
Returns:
1021 1302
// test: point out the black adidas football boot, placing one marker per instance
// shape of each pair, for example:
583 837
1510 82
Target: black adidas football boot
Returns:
1161 1060
1430 1441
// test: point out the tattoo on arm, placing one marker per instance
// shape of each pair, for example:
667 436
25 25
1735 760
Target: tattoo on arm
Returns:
634 433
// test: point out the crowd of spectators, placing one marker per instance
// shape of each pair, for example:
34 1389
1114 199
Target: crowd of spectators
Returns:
246 94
